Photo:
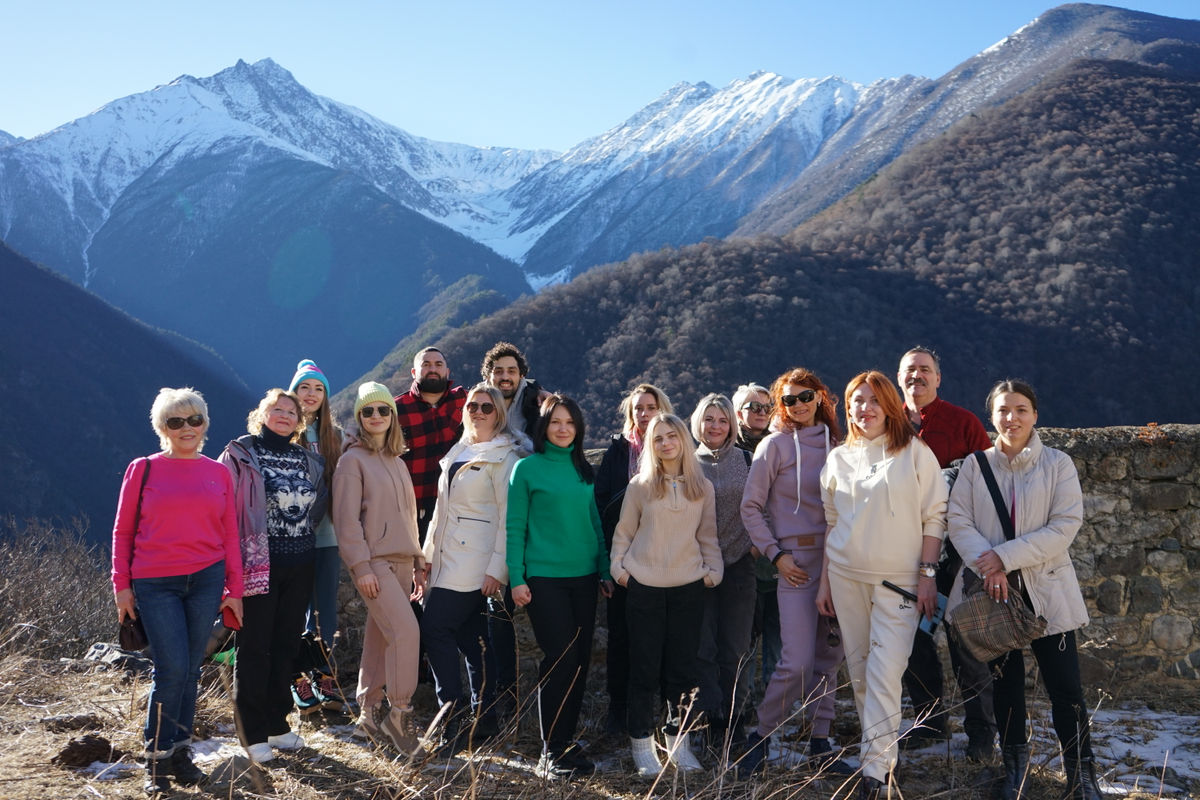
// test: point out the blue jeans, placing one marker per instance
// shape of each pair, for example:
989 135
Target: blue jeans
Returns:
323 605
178 613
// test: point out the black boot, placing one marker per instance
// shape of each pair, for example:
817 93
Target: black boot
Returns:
1016 772
1081 778
870 788
755 756
157 781
183 769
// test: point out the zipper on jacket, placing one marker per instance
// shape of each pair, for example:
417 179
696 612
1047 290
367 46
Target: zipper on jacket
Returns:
475 519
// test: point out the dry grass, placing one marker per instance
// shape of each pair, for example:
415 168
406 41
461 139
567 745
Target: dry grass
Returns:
42 678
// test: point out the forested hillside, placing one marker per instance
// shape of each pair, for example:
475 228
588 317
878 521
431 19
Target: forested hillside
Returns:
1054 237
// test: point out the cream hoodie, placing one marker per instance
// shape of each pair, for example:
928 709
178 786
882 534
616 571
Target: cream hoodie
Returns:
878 506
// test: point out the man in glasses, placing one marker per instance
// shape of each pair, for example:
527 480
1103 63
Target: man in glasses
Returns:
952 433
505 367
431 414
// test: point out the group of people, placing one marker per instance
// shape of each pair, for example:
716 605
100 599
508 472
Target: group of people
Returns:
452 507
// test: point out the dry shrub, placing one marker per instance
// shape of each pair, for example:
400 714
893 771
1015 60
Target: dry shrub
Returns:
55 591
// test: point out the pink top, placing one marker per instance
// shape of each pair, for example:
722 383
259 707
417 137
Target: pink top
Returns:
188 522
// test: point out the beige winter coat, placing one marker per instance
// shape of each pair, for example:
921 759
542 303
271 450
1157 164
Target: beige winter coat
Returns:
467 536
1049 503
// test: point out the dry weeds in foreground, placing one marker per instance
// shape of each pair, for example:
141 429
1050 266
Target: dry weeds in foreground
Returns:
42 678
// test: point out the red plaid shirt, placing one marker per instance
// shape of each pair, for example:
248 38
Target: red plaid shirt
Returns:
429 431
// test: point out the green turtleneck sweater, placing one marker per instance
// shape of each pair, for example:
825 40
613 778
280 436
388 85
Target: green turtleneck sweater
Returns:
553 526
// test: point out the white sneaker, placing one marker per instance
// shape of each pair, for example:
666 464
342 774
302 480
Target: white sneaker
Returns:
259 752
286 741
679 752
645 760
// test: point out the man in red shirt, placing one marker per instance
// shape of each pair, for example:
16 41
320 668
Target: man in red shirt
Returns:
952 433
431 414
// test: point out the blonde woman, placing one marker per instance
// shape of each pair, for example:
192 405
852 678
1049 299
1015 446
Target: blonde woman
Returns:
279 490
885 505
375 516
465 555
175 550
665 554
620 463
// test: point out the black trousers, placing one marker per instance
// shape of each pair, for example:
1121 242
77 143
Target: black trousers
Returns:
503 639
1058 661
617 658
926 686
455 622
267 646
664 637
563 614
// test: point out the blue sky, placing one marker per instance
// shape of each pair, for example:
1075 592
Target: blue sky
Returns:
520 73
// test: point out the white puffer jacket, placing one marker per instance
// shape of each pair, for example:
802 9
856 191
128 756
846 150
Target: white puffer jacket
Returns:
1049 505
467 535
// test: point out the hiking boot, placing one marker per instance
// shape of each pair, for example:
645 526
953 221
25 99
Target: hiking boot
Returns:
577 760
398 728
327 691
918 737
367 726
870 789
157 781
755 757
822 757
183 769
981 748
303 695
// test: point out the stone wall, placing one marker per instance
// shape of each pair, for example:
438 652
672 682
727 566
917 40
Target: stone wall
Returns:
1138 554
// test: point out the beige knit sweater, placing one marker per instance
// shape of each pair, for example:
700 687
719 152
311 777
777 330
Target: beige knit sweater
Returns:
667 541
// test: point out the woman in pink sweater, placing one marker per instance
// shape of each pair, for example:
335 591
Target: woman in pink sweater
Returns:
665 553
375 517
175 552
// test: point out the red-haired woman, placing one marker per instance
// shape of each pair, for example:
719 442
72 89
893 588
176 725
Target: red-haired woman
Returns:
784 514
885 503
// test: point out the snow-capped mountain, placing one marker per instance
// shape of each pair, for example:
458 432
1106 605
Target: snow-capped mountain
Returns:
7 138
249 185
884 127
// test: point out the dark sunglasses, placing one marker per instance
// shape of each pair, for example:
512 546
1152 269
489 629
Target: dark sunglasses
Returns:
806 396
369 411
755 407
195 421
486 408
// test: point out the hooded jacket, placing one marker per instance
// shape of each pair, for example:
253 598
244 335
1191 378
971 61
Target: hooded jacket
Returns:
467 538
1049 513
879 506
250 495
374 510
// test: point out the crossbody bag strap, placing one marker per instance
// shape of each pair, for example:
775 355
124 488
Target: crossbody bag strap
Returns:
993 487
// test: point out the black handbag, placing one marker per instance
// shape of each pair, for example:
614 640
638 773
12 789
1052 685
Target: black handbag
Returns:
132 635
984 628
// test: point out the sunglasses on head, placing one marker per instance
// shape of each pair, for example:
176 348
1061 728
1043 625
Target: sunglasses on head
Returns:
806 396
755 407
370 411
486 408
194 421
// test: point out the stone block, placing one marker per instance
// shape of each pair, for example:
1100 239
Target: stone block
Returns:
1188 531
1162 496
1188 667
1167 563
1172 633
1097 505
1094 670
1145 595
1110 468
1185 595
1161 461
1138 666
1170 545
1110 596
1121 561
